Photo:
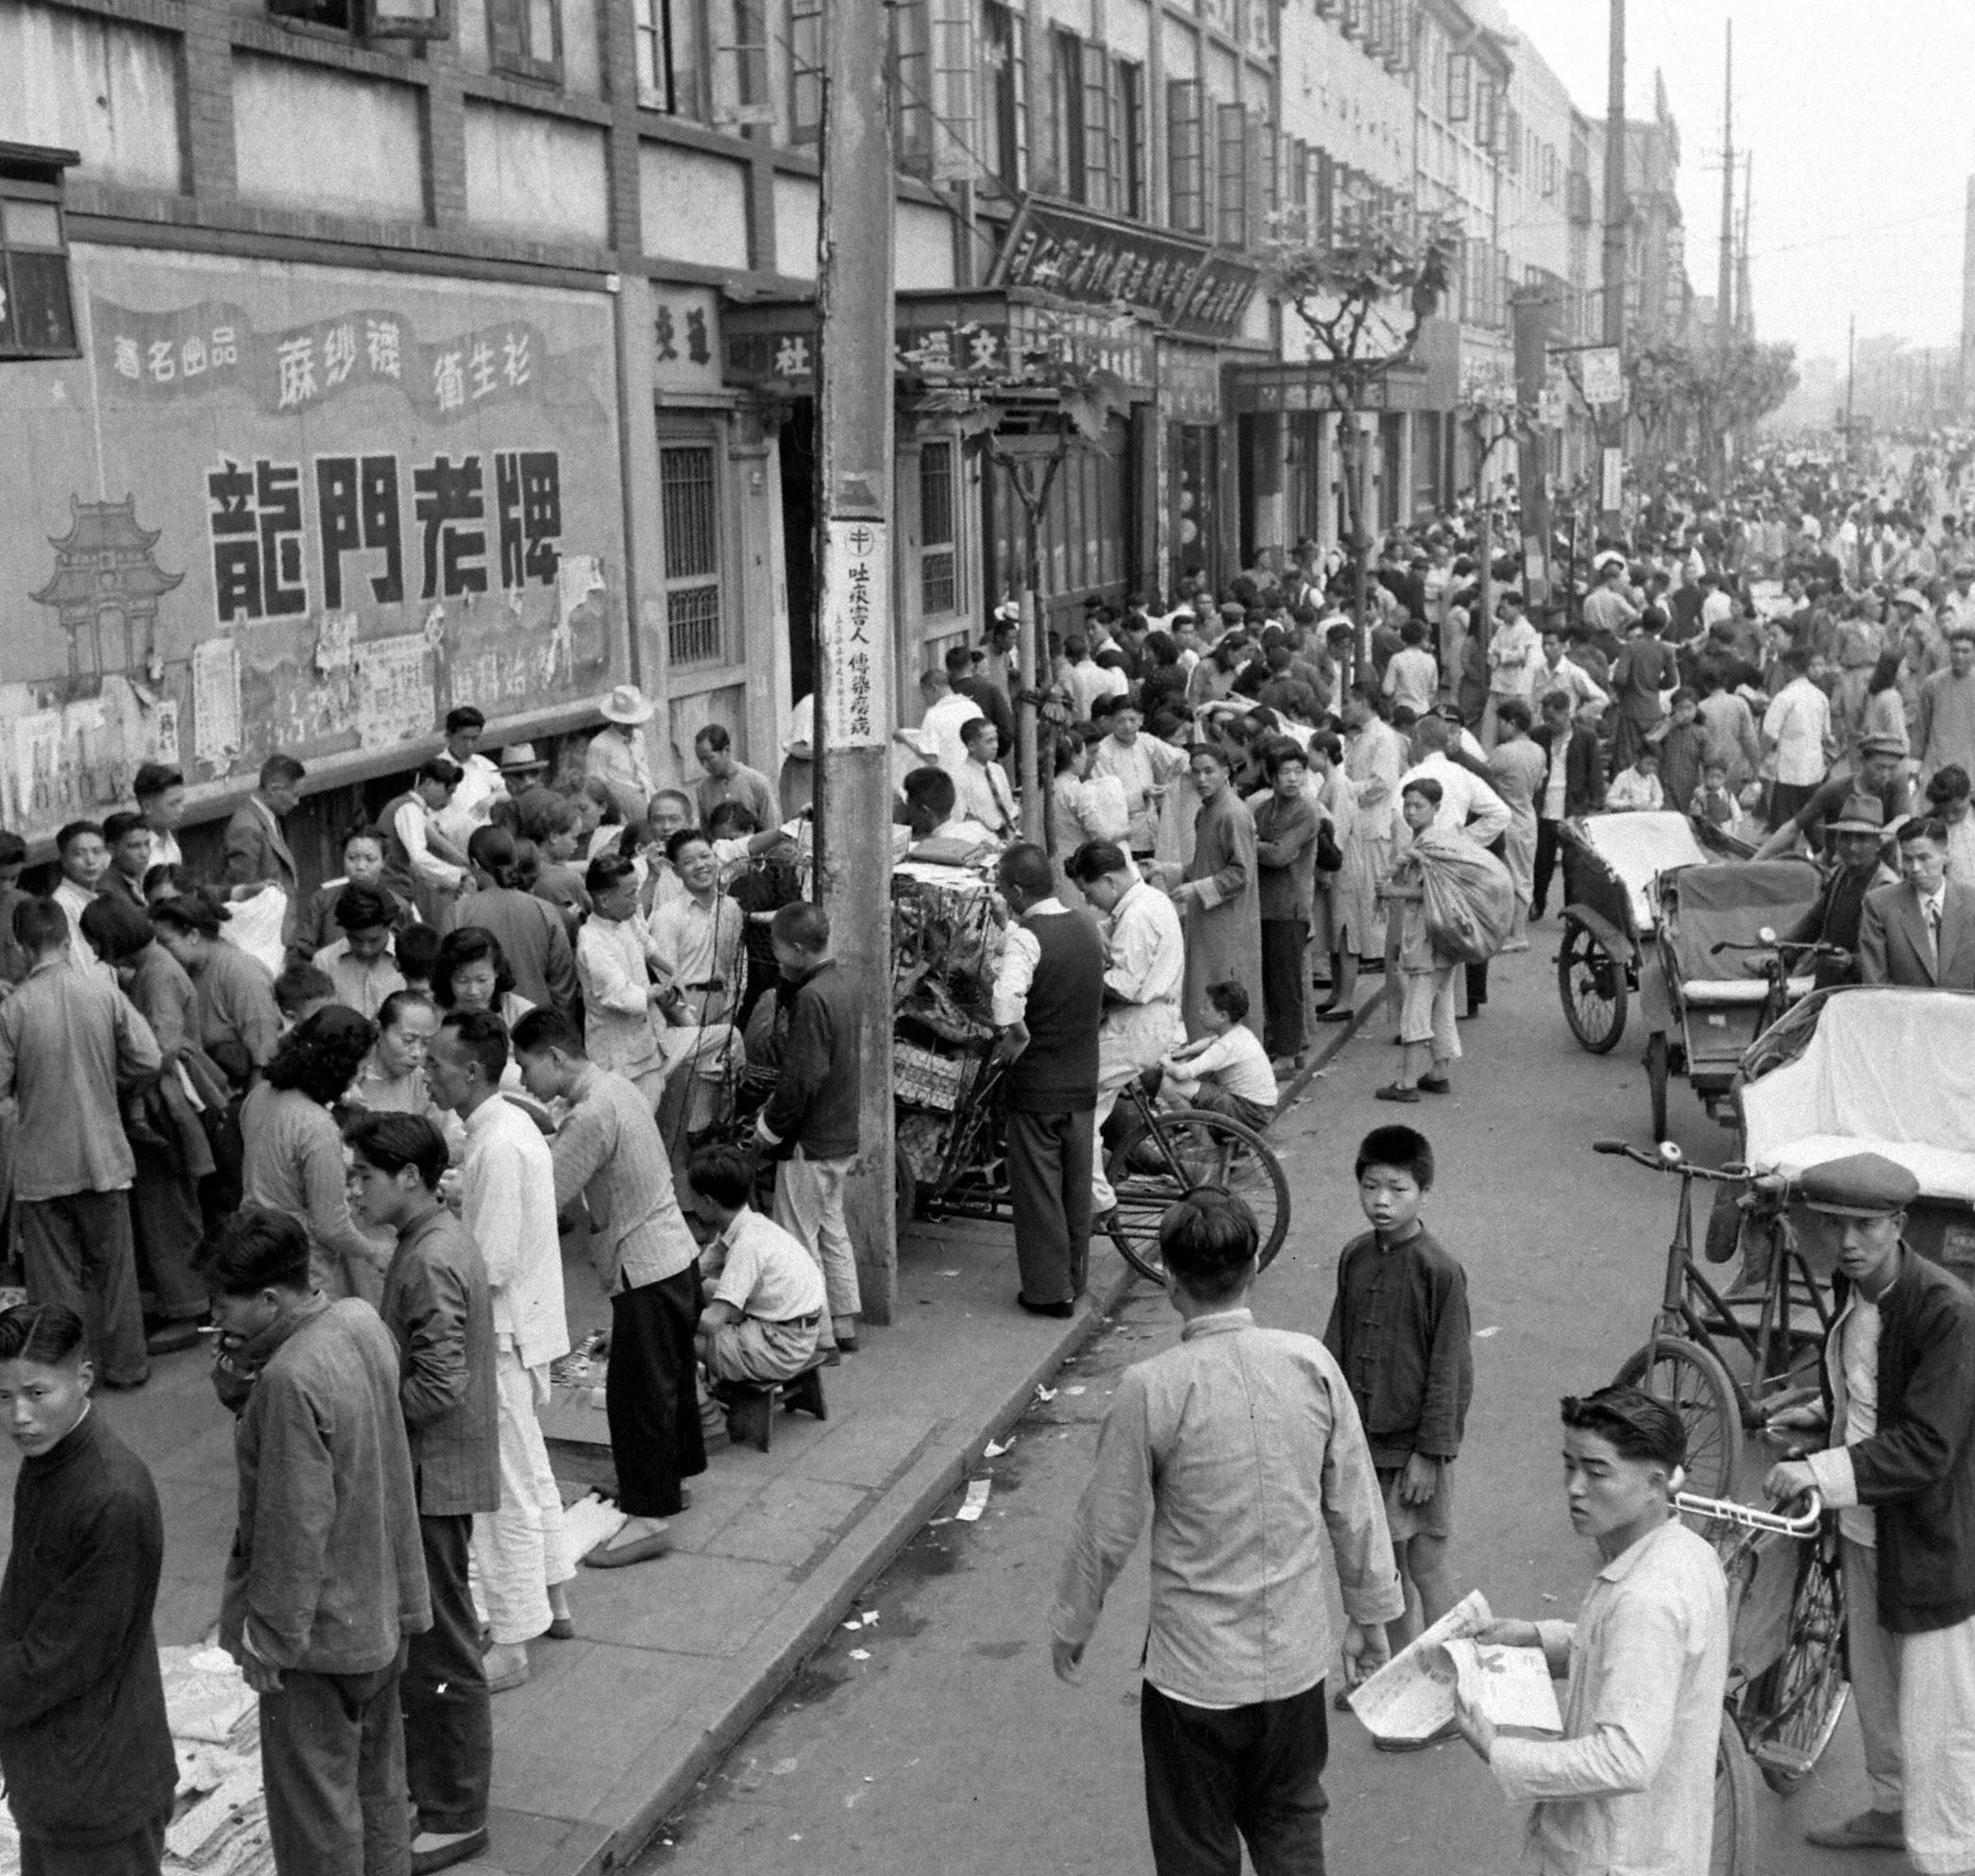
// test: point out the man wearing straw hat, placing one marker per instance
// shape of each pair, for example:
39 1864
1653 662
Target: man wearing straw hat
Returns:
1858 834
1900 1471
618 756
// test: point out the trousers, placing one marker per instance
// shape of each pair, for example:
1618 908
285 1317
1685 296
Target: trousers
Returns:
521 1548
448 1714
1285 987
652 1393
1048 1187
333 1760
141 1854
1547 844
1872 1659
1217 1780
78 1252
809 1206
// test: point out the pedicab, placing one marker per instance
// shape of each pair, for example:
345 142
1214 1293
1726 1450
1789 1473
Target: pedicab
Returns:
1701 1005
948 1132
1611 865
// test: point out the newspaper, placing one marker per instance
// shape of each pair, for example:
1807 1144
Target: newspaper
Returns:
1411 1696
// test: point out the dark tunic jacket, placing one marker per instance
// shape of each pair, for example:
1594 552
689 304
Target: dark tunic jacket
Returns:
84 1744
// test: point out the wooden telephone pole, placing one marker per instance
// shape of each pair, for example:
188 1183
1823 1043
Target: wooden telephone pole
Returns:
855 686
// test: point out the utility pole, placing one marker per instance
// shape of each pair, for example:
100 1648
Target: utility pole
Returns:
1616 195
856 704
1851 375
1725 279
1618 201
1745 303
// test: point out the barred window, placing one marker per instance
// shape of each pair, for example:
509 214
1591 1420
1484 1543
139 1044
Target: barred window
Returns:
688 496
938 555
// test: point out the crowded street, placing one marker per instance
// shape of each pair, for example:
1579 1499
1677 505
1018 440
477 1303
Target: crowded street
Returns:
894 1757
938 936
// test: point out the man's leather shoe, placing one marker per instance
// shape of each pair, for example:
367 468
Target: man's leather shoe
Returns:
462 1850
1869 1830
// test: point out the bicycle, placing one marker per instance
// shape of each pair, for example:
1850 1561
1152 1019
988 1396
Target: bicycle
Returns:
1787 1682
1679 1362
1159 1155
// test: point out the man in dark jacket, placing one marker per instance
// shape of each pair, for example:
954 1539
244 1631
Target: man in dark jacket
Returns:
437 1307
84 1745
1900 1470
812 1112
1575 783
326 1581
1048 1005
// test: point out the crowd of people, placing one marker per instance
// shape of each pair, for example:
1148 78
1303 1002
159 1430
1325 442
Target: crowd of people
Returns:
352 1136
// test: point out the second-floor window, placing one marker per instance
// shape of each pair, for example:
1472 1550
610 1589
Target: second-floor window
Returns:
1005 58
525 38
36 318
1186 155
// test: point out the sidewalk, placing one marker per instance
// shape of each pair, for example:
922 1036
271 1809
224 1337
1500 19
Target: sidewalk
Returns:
674 1660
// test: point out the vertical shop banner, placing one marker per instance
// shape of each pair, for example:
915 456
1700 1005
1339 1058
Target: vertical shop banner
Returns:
284 506
856 620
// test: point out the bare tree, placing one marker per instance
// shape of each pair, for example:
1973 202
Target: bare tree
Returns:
1362 298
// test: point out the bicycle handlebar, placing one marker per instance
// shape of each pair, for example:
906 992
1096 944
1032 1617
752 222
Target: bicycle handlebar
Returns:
1753 1517
1796 947
1669 1159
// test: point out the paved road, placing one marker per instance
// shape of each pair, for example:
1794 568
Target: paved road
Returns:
937 1738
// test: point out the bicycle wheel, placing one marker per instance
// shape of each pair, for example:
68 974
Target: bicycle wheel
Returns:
1735 1847
1801 1697
1691 1379
1157 1166
1592 984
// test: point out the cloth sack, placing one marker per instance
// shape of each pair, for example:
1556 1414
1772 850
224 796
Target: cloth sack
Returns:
1470 899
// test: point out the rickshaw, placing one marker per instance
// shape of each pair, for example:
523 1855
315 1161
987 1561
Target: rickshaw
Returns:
1611 864
1701 1007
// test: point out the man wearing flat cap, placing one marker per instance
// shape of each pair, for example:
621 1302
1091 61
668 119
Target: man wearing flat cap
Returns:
1878 775
1900 1471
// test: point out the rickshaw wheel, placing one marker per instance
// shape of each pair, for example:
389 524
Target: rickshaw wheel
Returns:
1657 1074
1191 1149
1803 1691
1691 1379
1592 984
1735 1847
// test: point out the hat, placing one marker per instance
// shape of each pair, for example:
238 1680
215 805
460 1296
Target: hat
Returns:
521 755
627 705
1861 1185
1880 745
1910 596
1861 814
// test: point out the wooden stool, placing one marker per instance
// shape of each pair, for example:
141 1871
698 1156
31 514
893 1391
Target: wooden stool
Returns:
751 1406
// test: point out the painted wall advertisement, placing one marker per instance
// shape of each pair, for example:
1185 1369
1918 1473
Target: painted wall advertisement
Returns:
279 506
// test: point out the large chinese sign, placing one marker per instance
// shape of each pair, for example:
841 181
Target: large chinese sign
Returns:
301 508
1182 284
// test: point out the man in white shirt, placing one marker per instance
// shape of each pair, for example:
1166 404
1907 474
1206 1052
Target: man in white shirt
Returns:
1607 608
160 791
981 788
699 934
765 1294
1089 680
946 713
509 1206
1515 653
1797 730
1467 805
1413 678
480 783
84 859
618 755
1145 969
1631 1785
1561 672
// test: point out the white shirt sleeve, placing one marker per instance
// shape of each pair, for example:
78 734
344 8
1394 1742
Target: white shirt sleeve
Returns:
409 825
1021 954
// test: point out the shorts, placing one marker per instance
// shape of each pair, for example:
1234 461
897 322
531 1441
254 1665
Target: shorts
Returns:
1426 1011
1435 1518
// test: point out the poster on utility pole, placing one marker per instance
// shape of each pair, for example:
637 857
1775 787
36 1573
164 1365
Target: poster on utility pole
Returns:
857 613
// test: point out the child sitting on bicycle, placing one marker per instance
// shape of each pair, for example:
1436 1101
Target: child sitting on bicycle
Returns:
1227 1071
1399 1330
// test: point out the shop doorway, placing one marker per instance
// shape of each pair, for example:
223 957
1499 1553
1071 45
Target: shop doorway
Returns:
798 542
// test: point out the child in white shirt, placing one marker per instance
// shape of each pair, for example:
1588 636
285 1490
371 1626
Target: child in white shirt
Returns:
1227 1071
1637 789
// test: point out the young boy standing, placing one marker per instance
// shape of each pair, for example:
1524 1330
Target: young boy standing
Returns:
1399 1330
